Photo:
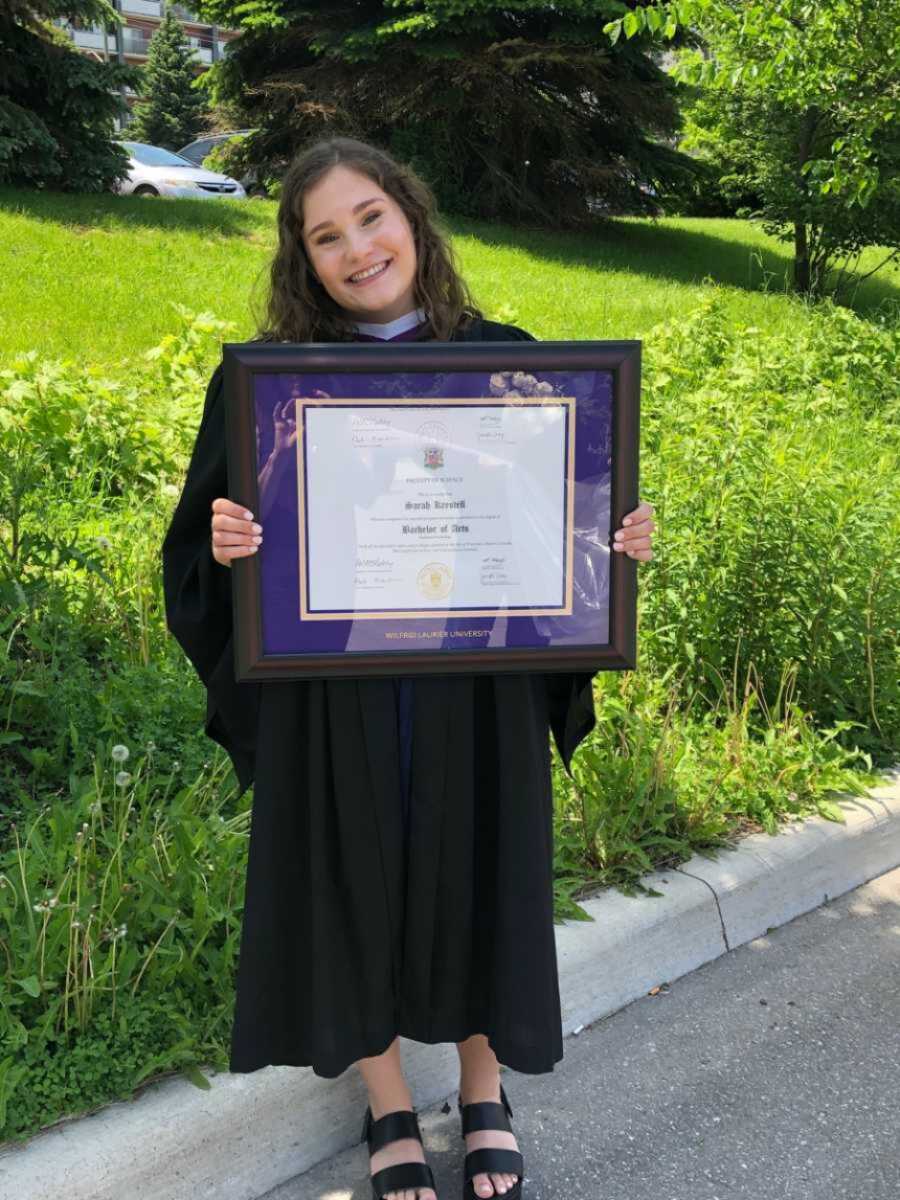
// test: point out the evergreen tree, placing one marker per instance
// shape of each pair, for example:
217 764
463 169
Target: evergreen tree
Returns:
521 111
171 110
58 107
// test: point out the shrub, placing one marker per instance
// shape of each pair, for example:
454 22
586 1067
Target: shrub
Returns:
773 462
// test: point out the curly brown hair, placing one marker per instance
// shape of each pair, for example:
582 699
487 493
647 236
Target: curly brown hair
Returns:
299 309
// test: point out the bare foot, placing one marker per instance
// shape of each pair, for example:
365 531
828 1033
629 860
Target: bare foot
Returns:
496 1182
401 1151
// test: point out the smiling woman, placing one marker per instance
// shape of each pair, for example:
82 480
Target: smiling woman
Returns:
360 245
400 868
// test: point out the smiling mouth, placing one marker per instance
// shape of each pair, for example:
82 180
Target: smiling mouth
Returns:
370 272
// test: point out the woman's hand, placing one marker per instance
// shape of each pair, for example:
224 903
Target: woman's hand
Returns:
234 535
633 538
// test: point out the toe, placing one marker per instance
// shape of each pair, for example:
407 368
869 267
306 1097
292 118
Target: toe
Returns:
499 1184
483 1185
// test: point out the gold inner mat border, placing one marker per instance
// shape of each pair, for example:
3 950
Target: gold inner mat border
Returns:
302 403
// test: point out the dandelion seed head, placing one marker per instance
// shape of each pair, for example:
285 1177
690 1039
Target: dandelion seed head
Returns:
122 778
120 753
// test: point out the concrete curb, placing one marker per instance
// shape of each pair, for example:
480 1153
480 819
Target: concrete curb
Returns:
249 1133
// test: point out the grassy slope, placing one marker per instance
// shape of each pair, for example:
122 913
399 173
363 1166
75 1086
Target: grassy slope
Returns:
91 277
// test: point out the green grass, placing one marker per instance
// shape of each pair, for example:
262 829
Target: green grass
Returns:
91 277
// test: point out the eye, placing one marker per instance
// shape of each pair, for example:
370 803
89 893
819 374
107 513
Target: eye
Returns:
373 213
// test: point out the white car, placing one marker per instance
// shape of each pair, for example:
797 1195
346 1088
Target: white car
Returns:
157 172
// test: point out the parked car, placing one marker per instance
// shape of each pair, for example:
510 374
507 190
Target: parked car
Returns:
154 171
198 150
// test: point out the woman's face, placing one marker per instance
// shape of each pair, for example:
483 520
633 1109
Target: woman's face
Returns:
349 226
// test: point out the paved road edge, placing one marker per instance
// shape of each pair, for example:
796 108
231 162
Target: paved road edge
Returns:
249 1133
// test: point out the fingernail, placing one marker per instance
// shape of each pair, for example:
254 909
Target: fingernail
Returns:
248 516
627 521
257 528
619 534
257 540
253 549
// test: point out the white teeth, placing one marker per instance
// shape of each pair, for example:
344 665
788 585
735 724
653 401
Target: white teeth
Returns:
371 271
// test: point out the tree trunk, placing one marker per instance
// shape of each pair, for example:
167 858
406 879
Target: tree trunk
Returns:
801 238
801 258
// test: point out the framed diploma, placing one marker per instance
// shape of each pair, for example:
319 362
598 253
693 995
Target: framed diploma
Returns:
433 507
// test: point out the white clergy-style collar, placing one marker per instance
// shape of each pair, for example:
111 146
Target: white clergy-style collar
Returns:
390 329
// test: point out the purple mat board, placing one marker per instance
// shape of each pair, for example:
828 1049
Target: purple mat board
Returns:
283 632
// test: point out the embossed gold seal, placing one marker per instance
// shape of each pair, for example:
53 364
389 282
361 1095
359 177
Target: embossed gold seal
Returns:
435 581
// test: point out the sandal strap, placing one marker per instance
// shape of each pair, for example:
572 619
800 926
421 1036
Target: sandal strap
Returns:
492 1158
401 1176
484 1114
391 1128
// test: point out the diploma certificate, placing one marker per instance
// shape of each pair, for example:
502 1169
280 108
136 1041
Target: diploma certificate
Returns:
426 509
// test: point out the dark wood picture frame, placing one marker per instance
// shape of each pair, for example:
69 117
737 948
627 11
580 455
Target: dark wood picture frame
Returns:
244 361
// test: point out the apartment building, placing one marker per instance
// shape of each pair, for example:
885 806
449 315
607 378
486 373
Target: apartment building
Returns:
129 42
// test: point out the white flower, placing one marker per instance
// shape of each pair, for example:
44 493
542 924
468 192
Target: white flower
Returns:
170 489
122 778
544 388
120 753
525 383
497 385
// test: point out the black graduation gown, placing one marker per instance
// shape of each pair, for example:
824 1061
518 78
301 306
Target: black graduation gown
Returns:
347 940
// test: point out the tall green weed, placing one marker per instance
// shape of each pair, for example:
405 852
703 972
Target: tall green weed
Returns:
773 462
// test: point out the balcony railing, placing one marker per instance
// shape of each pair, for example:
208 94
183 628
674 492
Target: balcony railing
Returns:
144 8
134 42
92 39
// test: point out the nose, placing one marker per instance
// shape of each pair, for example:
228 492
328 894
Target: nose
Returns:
357 246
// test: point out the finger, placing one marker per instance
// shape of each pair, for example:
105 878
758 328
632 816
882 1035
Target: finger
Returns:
220 521
229 508
637 514
640 530
229 552
641 543
228 537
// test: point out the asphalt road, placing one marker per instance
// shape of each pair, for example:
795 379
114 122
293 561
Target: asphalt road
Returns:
769 1074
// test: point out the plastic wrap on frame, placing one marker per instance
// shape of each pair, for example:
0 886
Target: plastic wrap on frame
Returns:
283 629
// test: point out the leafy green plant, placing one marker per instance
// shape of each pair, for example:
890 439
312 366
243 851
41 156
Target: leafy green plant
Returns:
773 461
119 923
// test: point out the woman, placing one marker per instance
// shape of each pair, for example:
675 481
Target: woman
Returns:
399 875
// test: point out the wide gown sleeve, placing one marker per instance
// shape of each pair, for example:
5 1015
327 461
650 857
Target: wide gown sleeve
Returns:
570 694
197 593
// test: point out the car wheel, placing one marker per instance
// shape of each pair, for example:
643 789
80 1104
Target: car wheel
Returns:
145 190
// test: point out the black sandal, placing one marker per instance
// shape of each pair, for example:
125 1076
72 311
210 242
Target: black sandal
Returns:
391 1128
489 1114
